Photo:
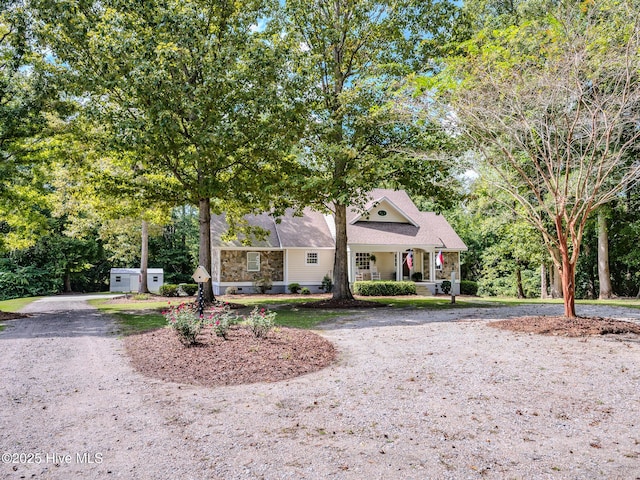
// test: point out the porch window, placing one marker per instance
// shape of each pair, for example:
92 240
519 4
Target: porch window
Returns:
362 261
253 261
118 279
312 258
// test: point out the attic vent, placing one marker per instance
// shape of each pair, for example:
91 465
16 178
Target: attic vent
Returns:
382 213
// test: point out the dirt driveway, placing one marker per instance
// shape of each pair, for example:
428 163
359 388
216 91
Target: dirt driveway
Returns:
414 395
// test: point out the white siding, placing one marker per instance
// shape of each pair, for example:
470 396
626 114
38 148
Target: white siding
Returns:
392 214
298 271
386 265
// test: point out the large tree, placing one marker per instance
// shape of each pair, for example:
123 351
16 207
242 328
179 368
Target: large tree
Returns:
354 55
195 89
551 105
27 100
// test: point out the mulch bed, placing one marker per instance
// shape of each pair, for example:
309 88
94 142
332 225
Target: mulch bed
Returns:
331 303
568 327
10 316
241 359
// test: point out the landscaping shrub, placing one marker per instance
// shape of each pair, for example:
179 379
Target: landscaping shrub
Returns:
189 289
260 321
169 290
327 284
262 284
221 319
186 322
384 289
231 291
468 287
305 291
445 287
294 287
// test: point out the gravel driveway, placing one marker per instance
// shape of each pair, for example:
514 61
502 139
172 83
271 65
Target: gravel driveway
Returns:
414 395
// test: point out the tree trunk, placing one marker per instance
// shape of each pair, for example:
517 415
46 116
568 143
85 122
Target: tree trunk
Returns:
143 286
67 281
556 283
568 285
603 258
204 254
341 290
543 281
519 289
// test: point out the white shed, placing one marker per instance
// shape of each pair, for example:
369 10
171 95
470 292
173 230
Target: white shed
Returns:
128 279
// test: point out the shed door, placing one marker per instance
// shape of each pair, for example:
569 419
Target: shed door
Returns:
134 283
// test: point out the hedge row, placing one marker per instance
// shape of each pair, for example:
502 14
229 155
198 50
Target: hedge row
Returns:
173 290
468 287
384 289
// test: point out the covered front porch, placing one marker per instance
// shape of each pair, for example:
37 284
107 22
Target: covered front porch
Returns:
416 264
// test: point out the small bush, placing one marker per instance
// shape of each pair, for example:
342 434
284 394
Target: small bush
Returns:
305 291
231 291
186 322
468 287
189 289
445 287
416 277
221 319
294 287
141 296
261 321
169 290
384 288
327 284
263 284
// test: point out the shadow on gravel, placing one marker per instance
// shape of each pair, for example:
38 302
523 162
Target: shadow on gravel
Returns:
397 317
74 323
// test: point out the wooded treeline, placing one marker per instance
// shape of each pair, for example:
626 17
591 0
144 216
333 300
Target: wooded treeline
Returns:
517 120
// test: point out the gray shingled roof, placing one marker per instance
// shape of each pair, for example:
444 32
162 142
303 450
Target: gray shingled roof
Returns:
311 230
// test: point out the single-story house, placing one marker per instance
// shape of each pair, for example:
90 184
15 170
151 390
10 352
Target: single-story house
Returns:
388 239
128 279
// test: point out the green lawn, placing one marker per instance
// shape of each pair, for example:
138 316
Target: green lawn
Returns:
136 317
143 316
16 304
429 303
133 317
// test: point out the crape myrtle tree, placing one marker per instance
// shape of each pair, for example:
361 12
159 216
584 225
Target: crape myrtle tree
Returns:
362 128
197 90
551 106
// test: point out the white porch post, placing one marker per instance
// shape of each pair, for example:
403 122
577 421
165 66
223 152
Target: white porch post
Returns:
286 269
399 266
432 267
352 266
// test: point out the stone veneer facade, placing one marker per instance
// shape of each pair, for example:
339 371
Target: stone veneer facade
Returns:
450 264
233 266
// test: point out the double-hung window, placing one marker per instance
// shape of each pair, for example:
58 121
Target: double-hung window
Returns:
253 261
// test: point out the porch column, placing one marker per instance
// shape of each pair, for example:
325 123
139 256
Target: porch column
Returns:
352 265
399 266
432 267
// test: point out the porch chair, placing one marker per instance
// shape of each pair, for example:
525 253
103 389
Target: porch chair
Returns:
359 276
375 274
